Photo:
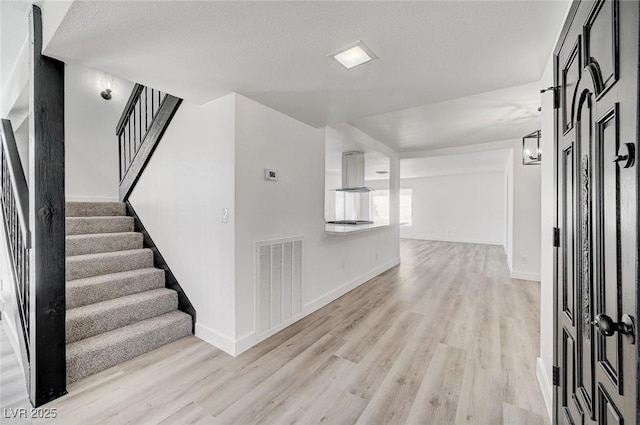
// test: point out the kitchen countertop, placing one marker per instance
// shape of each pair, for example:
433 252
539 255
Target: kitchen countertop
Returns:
348 229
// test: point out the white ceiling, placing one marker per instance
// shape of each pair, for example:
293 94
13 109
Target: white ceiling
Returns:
498 115
494 161
276 53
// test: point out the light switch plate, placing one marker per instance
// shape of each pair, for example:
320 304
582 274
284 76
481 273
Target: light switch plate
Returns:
270 175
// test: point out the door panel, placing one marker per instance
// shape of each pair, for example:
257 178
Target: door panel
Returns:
596 121
608 275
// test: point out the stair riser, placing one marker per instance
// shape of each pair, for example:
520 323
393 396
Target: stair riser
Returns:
79 267
93 244
89 225
102 320
95 209
89 363
78 296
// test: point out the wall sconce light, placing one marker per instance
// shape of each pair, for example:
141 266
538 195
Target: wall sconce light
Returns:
106 94
107 83
531 154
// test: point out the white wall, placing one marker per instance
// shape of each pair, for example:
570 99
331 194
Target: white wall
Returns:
525 258
14 56
91 145
508 195
294 206
180 197
461 208
545 361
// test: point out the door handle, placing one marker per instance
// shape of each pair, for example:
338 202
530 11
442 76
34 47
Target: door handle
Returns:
607 327
626 155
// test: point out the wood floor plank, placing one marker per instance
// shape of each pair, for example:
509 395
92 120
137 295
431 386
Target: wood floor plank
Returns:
516 416
252 406
437 399
395 396
365 379
445 338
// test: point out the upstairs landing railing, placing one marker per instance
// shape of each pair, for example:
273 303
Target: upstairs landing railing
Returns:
144 120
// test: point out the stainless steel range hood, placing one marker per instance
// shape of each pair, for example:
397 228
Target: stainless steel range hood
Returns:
353 172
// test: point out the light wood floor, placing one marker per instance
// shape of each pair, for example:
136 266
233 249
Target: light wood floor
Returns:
445 338
13 390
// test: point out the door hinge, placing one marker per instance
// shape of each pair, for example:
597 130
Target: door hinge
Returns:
556 237
556 95
556 376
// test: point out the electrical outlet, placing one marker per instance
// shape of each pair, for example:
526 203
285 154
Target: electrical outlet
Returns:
525 260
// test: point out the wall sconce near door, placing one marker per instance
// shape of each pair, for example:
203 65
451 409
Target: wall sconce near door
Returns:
531 154
107 84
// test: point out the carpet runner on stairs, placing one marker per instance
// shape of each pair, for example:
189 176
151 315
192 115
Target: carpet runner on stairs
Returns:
117 304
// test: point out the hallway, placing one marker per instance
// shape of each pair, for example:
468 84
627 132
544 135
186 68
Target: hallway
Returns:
445 338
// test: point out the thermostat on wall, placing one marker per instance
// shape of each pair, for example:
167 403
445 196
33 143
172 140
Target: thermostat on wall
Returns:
271 174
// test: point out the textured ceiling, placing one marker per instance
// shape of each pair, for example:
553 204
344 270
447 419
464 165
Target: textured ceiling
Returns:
498 115
276 53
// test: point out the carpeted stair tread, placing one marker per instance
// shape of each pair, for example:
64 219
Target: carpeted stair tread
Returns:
92 355
93 319
82 266
106 287
102 242
94 209
89 225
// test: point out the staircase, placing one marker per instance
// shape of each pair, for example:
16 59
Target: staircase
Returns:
117 304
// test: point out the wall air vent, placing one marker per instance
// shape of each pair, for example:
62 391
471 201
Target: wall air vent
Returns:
278 267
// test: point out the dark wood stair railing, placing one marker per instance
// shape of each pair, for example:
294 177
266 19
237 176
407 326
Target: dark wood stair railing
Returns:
15 211
33 215
144 120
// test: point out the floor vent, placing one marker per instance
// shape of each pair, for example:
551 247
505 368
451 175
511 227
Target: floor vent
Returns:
278 284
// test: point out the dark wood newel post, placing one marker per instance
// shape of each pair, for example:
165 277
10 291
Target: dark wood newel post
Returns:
47 220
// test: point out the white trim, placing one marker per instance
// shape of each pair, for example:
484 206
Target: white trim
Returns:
218 340
545 387
473 241
92 199
245 342
333 295
525 275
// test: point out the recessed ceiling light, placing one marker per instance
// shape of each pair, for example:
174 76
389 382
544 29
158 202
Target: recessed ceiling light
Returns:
353 55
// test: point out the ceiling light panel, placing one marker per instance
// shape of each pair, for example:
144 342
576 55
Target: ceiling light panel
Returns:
354 55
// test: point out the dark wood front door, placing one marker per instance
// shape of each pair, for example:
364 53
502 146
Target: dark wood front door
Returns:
596 74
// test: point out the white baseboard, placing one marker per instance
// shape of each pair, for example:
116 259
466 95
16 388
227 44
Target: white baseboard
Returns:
545 387
218 340
92 199
525 275
333 295
473 241
245 342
